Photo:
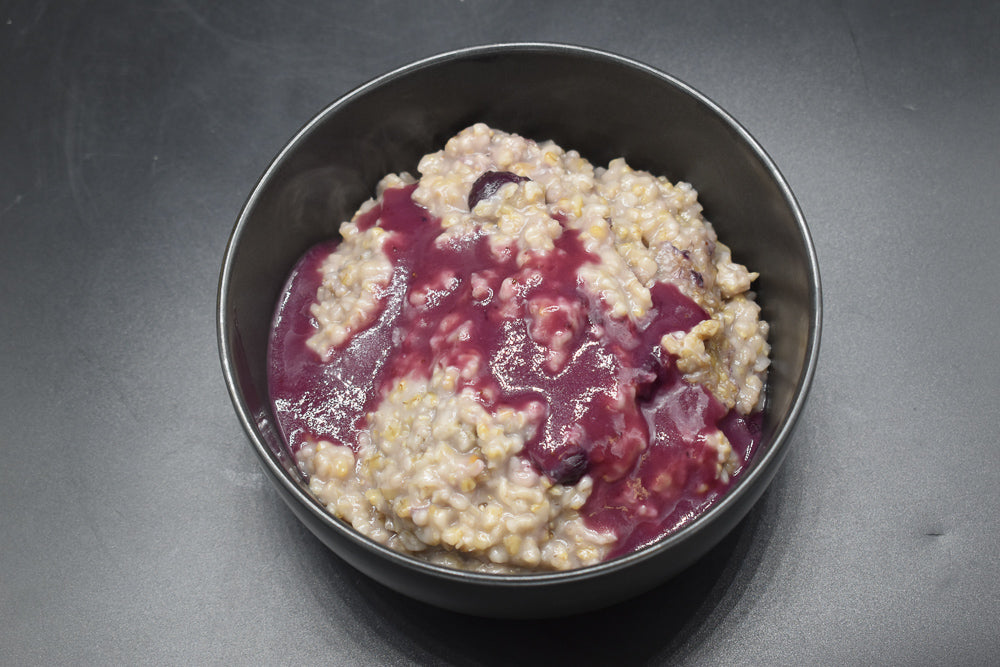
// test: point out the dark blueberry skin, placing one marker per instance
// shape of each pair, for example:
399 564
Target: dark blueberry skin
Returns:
487 185
571 467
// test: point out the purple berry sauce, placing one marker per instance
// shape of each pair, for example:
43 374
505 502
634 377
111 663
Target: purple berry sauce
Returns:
610 403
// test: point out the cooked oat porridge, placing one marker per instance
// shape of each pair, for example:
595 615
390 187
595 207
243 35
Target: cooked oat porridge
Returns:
520 361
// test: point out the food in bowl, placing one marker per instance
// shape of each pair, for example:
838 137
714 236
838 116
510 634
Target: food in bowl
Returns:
519 361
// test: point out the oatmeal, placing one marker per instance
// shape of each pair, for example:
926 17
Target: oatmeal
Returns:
520 361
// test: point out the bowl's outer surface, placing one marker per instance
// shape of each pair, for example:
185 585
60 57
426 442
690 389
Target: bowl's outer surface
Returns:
602 105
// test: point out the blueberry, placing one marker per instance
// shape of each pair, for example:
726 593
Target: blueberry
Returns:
572 465
489 182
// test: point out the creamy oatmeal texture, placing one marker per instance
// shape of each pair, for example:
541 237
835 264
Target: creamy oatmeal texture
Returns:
506 342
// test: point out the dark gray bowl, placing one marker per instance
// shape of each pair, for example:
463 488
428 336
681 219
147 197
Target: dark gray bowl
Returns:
604 106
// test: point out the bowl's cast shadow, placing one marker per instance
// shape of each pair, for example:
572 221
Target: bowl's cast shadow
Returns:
665 623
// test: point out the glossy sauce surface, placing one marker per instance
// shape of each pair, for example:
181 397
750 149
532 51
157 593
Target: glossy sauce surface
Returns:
609 402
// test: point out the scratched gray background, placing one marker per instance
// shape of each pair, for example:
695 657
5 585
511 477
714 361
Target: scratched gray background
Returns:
135 524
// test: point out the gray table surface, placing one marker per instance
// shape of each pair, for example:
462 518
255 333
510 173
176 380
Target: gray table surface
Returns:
135 523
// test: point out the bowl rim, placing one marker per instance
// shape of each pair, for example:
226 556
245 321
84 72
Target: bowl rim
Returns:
761 464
